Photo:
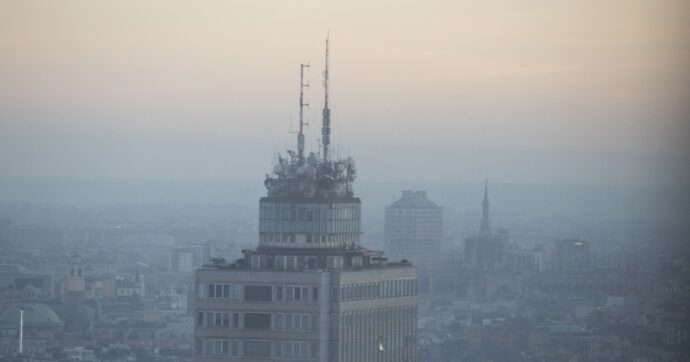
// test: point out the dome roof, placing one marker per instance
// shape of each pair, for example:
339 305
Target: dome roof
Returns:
35 316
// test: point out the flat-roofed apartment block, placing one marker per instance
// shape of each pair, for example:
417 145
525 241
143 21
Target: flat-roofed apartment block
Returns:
310 291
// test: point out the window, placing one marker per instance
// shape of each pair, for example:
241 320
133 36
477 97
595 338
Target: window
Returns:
258 349
301 350
314 350
224 291
278 321
315 322
257 293
200 319
315 294
217 347
296 322
235 320
199 346
235 351
218 319
279 293
257 320
296 293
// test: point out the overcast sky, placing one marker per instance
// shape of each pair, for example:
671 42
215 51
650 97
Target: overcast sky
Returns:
517 91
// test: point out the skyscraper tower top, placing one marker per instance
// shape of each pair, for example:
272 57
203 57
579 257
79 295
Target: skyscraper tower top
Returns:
310 203
318 177
295 295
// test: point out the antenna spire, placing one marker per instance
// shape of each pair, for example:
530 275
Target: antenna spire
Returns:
300 135
326 116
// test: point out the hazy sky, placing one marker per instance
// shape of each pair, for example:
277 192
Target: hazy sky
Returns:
519 91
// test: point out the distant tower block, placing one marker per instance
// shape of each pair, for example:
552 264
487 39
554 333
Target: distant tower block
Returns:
414 231
75 322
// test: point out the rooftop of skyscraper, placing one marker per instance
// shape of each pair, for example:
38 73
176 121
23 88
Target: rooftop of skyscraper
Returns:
413 200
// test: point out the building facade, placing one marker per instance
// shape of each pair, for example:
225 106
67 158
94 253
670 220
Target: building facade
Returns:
414 231
309 291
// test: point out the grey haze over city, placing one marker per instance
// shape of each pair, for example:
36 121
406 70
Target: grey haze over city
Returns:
503 181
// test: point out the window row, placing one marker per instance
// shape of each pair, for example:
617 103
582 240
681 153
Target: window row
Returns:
257 349
223 291
296 322
218 319
381 317
296 293
373 290
347 235
291 262
218 347
260 293
295 349
258 321
300 213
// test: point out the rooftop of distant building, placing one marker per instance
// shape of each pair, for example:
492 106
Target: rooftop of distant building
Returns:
413 200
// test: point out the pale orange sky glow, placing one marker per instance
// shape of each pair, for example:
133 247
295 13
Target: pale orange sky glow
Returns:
178 81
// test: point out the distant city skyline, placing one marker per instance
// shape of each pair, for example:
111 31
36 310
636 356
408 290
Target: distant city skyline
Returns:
529 91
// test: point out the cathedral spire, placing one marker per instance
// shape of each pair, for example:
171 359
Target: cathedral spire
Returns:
485 226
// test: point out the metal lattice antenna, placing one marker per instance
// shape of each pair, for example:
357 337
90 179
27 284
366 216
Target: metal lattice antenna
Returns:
326 125
300 135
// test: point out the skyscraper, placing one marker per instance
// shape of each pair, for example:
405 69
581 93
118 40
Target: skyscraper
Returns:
310 291
414 231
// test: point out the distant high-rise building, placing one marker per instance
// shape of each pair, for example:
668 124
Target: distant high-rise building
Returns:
309 292
181 260
486 250
414 231
75 322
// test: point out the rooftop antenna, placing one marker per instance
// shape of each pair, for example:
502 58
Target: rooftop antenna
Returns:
300 135
326 125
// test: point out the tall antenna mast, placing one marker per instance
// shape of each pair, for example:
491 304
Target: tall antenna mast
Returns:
300 135
326 125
